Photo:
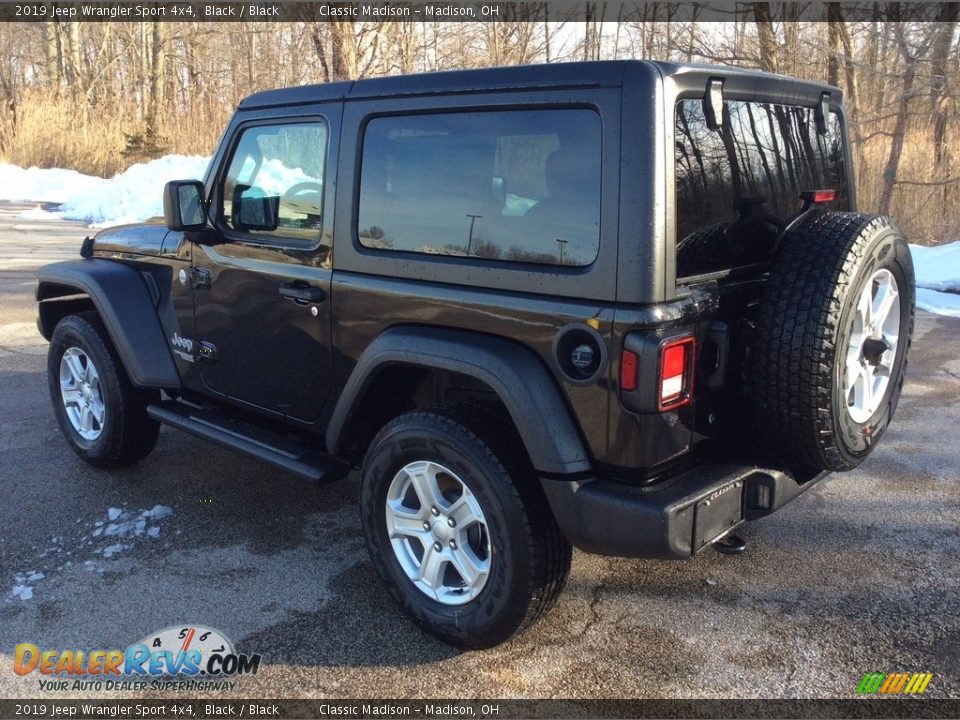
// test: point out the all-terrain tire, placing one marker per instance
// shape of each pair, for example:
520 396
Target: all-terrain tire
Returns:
127 434
529 557
798 362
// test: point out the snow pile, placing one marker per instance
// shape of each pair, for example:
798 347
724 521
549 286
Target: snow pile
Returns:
938 268
38 185
938 278
134 195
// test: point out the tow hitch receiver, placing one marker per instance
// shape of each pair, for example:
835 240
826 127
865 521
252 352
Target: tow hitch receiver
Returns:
730 545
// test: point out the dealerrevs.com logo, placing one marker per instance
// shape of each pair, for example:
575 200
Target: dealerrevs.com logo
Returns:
181 657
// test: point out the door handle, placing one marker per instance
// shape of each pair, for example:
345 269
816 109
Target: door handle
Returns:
302 293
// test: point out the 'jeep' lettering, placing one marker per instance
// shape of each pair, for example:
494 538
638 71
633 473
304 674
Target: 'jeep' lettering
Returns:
182 342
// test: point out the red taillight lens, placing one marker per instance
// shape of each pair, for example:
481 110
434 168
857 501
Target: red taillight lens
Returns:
628 371
816 197
676 373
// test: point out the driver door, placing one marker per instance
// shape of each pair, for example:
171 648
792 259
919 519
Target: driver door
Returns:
261 277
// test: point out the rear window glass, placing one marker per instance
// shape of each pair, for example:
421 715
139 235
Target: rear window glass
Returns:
734 184
520 186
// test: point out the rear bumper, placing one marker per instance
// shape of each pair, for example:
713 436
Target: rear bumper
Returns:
674 519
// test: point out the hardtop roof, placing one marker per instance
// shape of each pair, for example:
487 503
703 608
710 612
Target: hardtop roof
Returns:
603 73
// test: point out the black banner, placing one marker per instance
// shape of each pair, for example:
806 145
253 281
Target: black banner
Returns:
482 709
378 10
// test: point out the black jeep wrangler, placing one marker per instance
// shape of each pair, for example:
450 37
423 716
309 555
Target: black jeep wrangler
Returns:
621 306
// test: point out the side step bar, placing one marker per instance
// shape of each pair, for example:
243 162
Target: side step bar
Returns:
258 443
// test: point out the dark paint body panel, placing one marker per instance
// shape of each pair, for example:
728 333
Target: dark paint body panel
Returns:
141 239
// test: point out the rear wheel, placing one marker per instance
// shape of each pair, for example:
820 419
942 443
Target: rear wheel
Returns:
101 414
834 329
457 526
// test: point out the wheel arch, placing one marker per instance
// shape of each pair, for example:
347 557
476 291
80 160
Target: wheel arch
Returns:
126 306
515 376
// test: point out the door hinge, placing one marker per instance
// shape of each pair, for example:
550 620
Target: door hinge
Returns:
201 277
208 352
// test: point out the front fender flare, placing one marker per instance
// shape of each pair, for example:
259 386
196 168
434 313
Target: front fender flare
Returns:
124 303
515 373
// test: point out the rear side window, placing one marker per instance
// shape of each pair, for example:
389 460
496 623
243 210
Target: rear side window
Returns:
515 186
735 184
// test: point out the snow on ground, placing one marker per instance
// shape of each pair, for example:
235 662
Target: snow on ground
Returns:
938 278
940 303
39 185
118 533
938 268
134 195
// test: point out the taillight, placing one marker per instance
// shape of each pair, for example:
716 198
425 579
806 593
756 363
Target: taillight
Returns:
628 371
817 197
675 383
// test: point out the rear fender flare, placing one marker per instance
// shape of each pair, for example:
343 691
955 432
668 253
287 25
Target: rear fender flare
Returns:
515 373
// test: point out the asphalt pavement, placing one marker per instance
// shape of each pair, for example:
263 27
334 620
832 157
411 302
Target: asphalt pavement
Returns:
860 574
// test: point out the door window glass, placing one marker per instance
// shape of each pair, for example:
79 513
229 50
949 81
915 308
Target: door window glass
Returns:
274 185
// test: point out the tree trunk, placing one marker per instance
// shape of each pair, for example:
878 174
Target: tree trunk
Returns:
940 78
52 62
896 143
834 23
767 38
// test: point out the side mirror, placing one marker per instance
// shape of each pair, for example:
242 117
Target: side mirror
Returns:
183 205
252 209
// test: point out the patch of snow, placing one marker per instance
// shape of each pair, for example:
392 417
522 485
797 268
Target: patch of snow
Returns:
38 214
158 512
941 303
132 196
113 550
122 527
126 525
45 185
24 592
937 268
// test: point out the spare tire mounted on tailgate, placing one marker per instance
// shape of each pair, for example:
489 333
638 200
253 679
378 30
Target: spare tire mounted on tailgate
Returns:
833 333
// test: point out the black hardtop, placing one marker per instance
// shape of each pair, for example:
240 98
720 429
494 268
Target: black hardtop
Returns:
603 73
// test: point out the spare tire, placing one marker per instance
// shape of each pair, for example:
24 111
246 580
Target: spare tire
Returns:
826 366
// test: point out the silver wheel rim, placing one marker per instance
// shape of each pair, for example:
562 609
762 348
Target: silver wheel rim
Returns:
873 346
81 393
438 532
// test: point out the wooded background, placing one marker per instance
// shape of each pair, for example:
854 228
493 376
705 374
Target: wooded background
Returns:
98 97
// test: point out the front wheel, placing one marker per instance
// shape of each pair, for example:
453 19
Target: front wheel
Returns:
101 414
457 527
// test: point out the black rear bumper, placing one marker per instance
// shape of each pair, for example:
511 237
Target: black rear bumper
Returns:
673 519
